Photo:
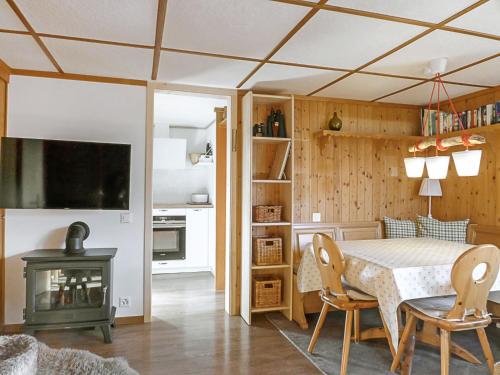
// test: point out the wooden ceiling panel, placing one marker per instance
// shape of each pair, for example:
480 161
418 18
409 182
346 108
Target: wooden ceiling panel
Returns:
344 41
231 27
460 50
8 19
131 21
202 70
420 95
22 52
423 10
282 79
487 73
101 59
485 19
365 87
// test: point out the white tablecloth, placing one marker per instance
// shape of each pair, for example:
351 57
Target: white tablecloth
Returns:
392 270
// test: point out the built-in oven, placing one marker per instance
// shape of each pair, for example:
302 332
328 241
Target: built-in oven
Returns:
169 237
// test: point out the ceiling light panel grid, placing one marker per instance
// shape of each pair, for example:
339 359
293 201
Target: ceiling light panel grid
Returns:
22 52
8 19
201 70
365 87
422 10
281 79
131 21
230 27
460 49
486 73
420 95
485 19
343 40
100 59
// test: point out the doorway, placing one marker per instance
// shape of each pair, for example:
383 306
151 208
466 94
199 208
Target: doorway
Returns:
188 188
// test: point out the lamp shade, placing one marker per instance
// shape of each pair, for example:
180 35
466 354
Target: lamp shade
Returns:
430 188
467 162
414 167
437 167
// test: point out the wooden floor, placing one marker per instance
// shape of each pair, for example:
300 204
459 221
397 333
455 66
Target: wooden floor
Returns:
191 334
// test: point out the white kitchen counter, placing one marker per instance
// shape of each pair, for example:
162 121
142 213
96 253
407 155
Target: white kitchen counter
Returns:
182 205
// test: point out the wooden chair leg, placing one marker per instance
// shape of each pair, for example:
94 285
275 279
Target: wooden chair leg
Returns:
319 325
485 345
445 352
410 323
347 341
357 318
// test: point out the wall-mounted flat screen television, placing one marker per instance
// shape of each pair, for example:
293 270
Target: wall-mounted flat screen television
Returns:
53 174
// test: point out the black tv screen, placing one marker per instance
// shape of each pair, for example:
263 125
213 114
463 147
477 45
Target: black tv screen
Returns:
37 173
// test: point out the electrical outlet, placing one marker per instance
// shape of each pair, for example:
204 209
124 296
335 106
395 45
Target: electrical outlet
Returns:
316 217
124 301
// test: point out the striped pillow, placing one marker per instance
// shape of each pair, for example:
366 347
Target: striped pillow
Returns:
399 228
442 230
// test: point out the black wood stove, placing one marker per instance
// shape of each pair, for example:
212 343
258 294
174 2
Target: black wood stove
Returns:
67 290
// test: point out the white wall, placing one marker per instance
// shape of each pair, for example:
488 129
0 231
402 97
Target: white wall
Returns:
74 110
177 185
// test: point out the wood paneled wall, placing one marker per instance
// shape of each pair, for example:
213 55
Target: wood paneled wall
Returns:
356 179
4 77
477 198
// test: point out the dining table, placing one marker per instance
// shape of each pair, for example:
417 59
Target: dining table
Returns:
393 271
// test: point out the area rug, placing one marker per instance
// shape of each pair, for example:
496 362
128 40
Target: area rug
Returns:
24 355
373 357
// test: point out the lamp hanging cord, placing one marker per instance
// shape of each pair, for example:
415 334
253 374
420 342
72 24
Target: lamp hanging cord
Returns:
428 108
465 137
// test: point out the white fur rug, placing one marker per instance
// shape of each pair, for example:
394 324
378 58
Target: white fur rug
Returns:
24 355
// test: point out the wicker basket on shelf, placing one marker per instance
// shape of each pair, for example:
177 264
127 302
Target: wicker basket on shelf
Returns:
267 251
267 214
266 291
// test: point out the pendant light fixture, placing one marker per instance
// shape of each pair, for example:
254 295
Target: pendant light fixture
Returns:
467 162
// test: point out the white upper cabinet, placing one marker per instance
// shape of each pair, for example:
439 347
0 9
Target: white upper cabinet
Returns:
169 153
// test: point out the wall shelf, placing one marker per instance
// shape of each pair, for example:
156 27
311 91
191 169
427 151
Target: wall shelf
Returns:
270 267
270 139
269 309
267 160
263 181
326 135
279 224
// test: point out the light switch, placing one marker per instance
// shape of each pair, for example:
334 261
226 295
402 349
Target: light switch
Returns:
125 218
316 217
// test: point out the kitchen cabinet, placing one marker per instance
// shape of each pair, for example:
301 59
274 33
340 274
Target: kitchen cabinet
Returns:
197 237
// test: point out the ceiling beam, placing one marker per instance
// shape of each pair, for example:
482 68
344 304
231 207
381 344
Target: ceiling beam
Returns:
283 41
402 45
160 26
386 17
35 36
442 75
4 71
78 77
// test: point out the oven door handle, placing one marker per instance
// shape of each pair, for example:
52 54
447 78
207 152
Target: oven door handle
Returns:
167 226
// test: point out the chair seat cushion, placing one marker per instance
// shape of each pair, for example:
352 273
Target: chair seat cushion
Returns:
494 297
436 307
356 294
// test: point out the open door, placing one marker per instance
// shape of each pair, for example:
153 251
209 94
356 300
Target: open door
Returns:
220 200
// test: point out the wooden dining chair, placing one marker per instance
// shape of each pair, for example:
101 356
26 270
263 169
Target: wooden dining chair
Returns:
465 311
336 294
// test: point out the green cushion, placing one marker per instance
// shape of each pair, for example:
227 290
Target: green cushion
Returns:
442 230
399 228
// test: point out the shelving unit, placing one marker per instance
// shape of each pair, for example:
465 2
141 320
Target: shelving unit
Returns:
259 189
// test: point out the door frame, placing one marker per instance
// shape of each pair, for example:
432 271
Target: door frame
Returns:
231 277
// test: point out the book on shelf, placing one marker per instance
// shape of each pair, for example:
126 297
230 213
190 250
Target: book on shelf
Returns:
449 122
